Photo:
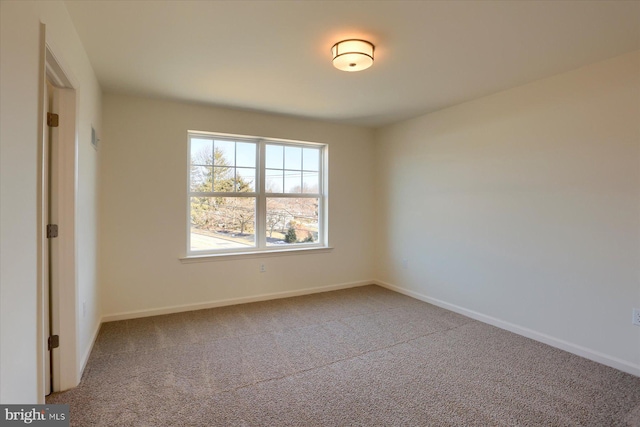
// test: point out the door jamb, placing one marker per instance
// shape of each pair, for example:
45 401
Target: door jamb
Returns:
66 371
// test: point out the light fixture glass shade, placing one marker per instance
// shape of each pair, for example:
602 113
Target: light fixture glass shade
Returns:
352 55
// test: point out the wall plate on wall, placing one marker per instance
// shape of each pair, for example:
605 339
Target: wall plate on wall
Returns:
94 138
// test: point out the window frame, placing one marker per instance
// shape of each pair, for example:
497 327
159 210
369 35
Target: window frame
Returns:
261 196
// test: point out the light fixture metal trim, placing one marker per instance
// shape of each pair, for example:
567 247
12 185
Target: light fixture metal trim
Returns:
352 55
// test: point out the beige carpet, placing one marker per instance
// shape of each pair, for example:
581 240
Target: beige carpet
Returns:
358 357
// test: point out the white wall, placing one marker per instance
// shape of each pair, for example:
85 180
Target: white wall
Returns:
19 139
522 208
144 210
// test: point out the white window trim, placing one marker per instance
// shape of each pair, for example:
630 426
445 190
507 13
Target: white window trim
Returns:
255 254
261 249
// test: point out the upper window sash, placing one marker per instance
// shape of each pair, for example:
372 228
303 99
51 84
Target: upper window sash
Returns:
223 165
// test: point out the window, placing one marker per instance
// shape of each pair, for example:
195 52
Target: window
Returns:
248 194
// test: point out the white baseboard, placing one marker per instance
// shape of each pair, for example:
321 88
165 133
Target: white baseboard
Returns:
231 301
87 352
587 353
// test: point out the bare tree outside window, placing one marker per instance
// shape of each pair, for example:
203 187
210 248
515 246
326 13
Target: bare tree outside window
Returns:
298 214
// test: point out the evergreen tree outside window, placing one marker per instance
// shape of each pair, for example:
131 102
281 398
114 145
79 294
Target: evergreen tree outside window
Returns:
249 194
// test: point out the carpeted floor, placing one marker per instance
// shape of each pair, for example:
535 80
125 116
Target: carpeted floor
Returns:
358 357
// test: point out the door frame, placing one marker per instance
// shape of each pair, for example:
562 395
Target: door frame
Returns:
64 300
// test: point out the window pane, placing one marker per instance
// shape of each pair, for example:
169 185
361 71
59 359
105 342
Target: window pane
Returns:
245 179
223 178
292 158
310 182
200 178
274 157
273 181
292 182
291 220
201 151
246 154
222 223
311 159
224 153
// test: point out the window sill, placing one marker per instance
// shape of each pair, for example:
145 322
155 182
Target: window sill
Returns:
257 254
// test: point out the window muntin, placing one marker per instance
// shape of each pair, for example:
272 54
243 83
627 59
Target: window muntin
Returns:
240 203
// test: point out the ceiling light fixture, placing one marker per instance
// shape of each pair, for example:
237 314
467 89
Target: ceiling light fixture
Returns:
352 55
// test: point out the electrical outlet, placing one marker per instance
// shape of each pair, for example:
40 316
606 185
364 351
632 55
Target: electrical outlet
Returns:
263 268
636 316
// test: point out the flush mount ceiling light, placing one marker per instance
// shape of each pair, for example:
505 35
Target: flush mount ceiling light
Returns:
352 55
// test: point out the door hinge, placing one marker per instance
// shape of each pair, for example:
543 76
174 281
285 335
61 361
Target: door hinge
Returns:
52 231
52 120
54 342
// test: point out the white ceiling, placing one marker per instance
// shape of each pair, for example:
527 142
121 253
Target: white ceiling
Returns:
275 55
